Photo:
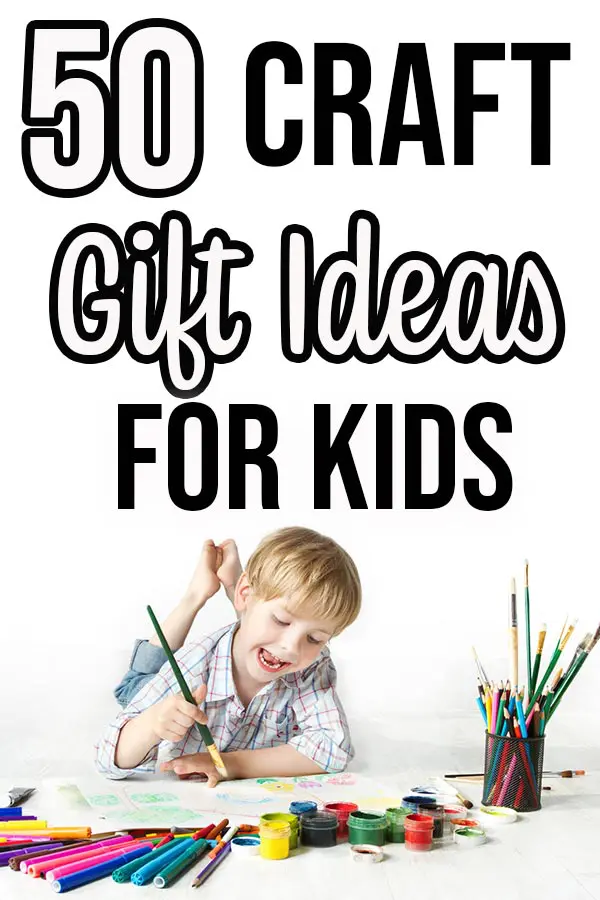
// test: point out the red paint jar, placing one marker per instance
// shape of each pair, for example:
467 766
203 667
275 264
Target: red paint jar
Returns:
342 811
418 832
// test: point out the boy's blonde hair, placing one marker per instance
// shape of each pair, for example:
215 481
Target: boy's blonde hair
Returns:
311 571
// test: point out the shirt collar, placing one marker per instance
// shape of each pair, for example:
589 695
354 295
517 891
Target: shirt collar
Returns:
220 684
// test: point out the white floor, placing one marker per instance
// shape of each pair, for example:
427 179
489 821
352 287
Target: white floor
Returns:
553 854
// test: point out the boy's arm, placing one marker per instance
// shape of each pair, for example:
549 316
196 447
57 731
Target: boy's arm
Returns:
283 761
323 734
129 744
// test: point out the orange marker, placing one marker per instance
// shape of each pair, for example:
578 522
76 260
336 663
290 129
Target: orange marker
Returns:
211 836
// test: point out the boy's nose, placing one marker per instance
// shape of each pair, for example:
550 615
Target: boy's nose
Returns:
290 649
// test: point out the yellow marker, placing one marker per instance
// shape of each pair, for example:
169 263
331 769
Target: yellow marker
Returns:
82 832
15 825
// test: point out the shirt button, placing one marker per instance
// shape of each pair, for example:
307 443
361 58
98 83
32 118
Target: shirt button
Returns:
240 713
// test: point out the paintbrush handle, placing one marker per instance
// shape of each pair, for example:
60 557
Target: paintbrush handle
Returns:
203 729
565 684
513 644
544 679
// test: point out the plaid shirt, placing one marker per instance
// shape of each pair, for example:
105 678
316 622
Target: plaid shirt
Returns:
301 709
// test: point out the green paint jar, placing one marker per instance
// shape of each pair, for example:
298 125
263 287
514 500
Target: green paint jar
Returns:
291 820
395 823
367 828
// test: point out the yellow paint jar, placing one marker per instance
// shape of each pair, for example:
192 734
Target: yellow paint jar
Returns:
292 821
274 840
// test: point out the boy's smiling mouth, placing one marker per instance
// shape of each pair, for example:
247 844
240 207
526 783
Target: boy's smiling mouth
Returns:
269 662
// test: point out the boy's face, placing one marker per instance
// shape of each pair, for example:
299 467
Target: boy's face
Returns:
272 641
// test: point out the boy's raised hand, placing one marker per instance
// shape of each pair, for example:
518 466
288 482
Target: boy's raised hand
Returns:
229 567
172 718
205 581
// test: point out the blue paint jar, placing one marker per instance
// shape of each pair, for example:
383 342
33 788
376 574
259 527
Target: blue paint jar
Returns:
303 807
414 801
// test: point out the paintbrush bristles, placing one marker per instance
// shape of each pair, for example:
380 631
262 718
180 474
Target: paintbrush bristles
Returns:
541 639
526 573
568 634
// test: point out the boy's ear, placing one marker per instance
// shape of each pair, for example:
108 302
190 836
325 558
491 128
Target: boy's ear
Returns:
242 593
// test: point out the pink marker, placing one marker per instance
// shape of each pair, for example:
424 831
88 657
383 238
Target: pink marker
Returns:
36 865
52 874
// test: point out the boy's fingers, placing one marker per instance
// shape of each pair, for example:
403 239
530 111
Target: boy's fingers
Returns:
212 781
183 767
183 720
199 694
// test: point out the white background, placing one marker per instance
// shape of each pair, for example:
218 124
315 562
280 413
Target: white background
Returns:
77 572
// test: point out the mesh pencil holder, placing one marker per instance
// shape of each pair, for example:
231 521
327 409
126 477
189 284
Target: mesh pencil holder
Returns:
513 772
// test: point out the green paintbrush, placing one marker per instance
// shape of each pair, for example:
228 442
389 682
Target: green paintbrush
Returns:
574 668
538 658
527 630
562 641
203 729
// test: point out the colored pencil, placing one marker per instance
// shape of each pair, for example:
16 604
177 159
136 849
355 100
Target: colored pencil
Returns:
211 866
482 710
205 734
538 659
495 701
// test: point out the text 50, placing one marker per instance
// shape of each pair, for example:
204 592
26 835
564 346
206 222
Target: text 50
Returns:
148 125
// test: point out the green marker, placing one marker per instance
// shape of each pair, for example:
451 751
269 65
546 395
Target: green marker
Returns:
171 871
124 873
203 729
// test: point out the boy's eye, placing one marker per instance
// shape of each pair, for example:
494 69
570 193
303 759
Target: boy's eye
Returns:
279 621
312 640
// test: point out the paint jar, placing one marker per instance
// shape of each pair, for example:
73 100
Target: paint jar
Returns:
437 814
274 840
289 819
418 832
342 811
302 807
414 801
319 829
395 816
367 828
463 823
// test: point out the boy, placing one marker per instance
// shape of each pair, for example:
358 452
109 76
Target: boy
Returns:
266 683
